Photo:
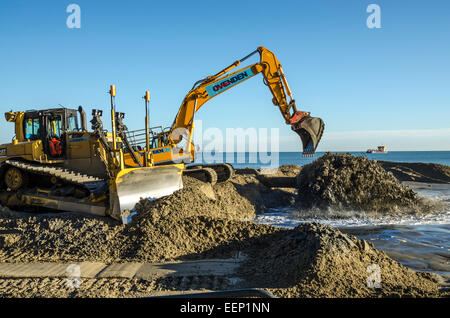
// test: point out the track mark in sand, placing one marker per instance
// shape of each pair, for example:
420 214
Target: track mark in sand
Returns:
116 280
185 283
145 271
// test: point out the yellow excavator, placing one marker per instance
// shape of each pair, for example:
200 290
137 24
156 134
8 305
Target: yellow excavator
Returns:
163 146
55 163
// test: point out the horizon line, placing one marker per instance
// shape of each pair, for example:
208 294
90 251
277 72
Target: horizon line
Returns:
345 151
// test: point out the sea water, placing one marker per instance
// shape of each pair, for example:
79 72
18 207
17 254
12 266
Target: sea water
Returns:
257 160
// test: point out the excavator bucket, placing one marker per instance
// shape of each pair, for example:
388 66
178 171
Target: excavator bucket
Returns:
310 130
147 183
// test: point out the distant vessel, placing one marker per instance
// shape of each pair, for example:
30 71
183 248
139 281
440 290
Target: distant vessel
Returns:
380 149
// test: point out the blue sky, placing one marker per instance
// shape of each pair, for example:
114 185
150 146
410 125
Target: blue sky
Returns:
371 86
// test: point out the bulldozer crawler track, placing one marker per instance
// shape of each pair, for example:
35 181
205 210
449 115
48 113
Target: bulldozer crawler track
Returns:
90 200
203 174
63 174
224 171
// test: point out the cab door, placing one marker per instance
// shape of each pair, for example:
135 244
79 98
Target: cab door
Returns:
55 136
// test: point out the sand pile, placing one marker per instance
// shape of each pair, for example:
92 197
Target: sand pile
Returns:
344 182
315 260
191 222
198 198
164 229
79 238
252 185
60 237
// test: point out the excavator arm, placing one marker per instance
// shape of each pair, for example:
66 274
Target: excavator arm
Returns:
310 129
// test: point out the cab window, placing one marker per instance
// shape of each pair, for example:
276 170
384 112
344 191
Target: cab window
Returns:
55 127
32 129
154 142
73 124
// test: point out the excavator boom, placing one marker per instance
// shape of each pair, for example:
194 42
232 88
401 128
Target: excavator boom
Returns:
310 129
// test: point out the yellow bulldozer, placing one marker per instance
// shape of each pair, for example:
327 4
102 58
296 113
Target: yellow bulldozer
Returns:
55 163
164 146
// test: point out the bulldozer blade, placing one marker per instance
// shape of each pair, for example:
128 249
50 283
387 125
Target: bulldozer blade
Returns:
147 183
310 130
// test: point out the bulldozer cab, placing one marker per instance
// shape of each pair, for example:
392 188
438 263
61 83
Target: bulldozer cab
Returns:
51 126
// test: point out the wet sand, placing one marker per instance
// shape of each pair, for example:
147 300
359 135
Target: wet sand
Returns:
418 171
